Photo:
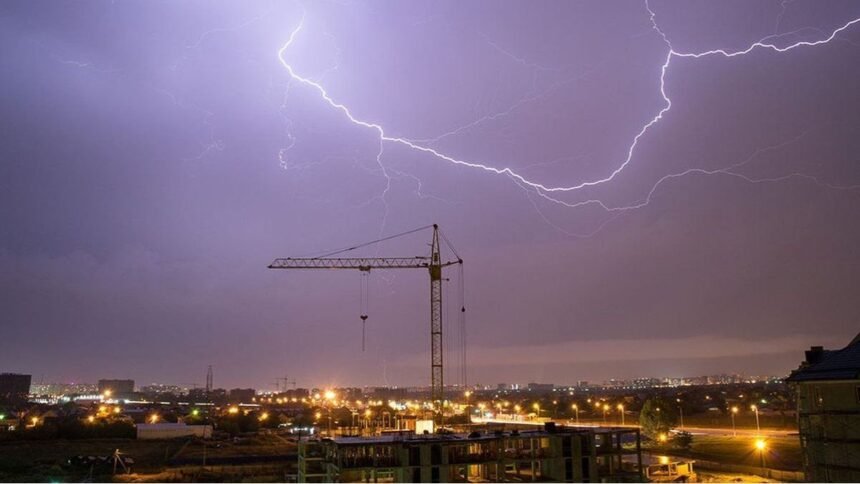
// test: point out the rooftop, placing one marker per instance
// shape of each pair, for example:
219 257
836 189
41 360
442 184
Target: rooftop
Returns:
474 436
824 364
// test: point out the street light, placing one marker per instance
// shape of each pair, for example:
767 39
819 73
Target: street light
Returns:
681 410
468 394
605 409
754 408
576 411
621 409
536 406
761 445
734 431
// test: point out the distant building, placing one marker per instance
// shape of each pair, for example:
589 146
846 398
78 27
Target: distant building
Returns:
242 395
117 388
388 393
828 412
197 395
14 386
554 454
172 431
541 387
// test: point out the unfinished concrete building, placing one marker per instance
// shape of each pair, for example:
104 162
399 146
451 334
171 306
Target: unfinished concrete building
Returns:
552 454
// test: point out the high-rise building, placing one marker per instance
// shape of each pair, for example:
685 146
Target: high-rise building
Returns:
828 412
14 386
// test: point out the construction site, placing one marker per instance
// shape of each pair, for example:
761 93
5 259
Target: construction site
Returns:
435 452
551 454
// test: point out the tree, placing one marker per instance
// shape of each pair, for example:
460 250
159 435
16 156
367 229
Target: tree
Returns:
657 417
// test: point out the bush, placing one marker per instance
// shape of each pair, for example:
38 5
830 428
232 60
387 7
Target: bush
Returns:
682 440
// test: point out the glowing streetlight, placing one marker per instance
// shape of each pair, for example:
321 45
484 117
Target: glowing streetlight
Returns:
621 410
468 394
153 418
576 411
663 438
233 410
329 395
605 409
761 445
681 411
195 412
754 408
107 393
264 416
91 419
734 431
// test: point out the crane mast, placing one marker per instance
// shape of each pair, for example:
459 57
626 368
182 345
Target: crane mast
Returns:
433 264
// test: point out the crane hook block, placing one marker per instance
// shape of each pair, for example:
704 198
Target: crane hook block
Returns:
363 317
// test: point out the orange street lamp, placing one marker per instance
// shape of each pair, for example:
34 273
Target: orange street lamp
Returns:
621 410
576 411
761 445
734 430
754 408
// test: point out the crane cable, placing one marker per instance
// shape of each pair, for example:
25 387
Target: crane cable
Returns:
383 239
364 300
462 323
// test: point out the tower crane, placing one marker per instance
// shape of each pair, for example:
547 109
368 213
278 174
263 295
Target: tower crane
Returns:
432 263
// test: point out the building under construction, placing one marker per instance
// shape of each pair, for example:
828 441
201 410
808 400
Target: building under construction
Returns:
551 454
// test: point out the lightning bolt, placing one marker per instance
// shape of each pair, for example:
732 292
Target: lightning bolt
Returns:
548 192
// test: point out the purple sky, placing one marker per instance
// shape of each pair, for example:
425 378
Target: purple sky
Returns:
156 156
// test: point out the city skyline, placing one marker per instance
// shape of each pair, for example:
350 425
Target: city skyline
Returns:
637 188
